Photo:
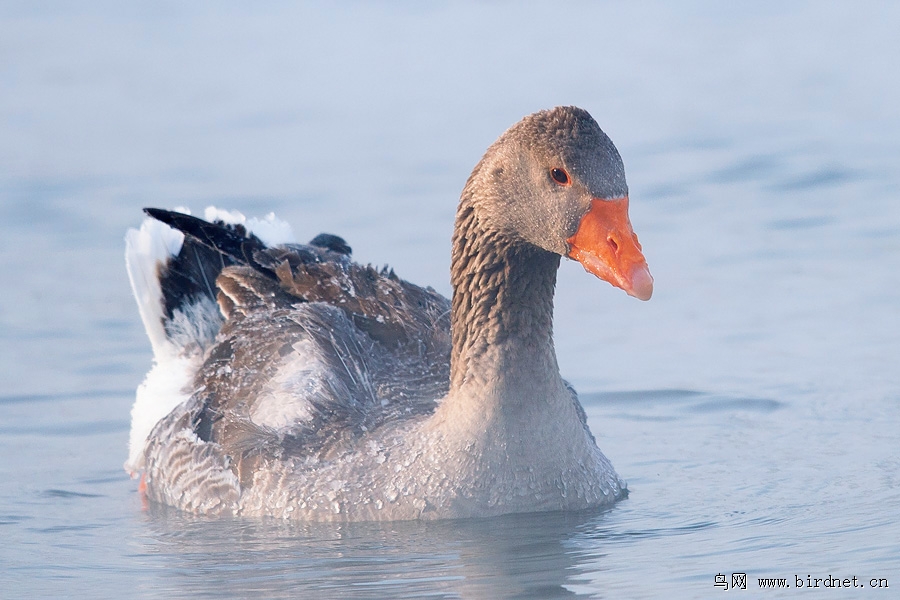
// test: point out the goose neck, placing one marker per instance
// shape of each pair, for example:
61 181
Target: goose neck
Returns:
502 309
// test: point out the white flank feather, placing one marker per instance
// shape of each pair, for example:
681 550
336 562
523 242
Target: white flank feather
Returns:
146 250
270 229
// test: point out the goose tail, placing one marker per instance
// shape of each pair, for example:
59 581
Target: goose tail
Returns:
173 261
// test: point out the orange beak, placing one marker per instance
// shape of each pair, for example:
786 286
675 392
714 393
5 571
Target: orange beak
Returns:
606 245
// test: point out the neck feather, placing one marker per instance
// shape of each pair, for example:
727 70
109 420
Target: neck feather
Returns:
502 314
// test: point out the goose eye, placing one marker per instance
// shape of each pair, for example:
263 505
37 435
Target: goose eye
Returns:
560 176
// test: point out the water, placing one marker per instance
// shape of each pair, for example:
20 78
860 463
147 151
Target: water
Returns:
752 404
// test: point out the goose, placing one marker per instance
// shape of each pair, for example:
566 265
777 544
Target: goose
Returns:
290 381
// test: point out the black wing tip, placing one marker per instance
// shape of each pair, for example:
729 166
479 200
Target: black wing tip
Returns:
234 240
157 213
169 217
329 241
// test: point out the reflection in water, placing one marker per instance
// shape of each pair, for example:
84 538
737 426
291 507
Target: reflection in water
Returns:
521 556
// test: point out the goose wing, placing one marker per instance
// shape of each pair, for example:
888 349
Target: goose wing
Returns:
314 351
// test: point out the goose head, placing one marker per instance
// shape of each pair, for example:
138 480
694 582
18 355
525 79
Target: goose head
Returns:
556 181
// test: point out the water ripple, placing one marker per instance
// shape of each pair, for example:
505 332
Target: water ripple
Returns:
760 405
81 429
824 177
66 494
655 532
63 397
